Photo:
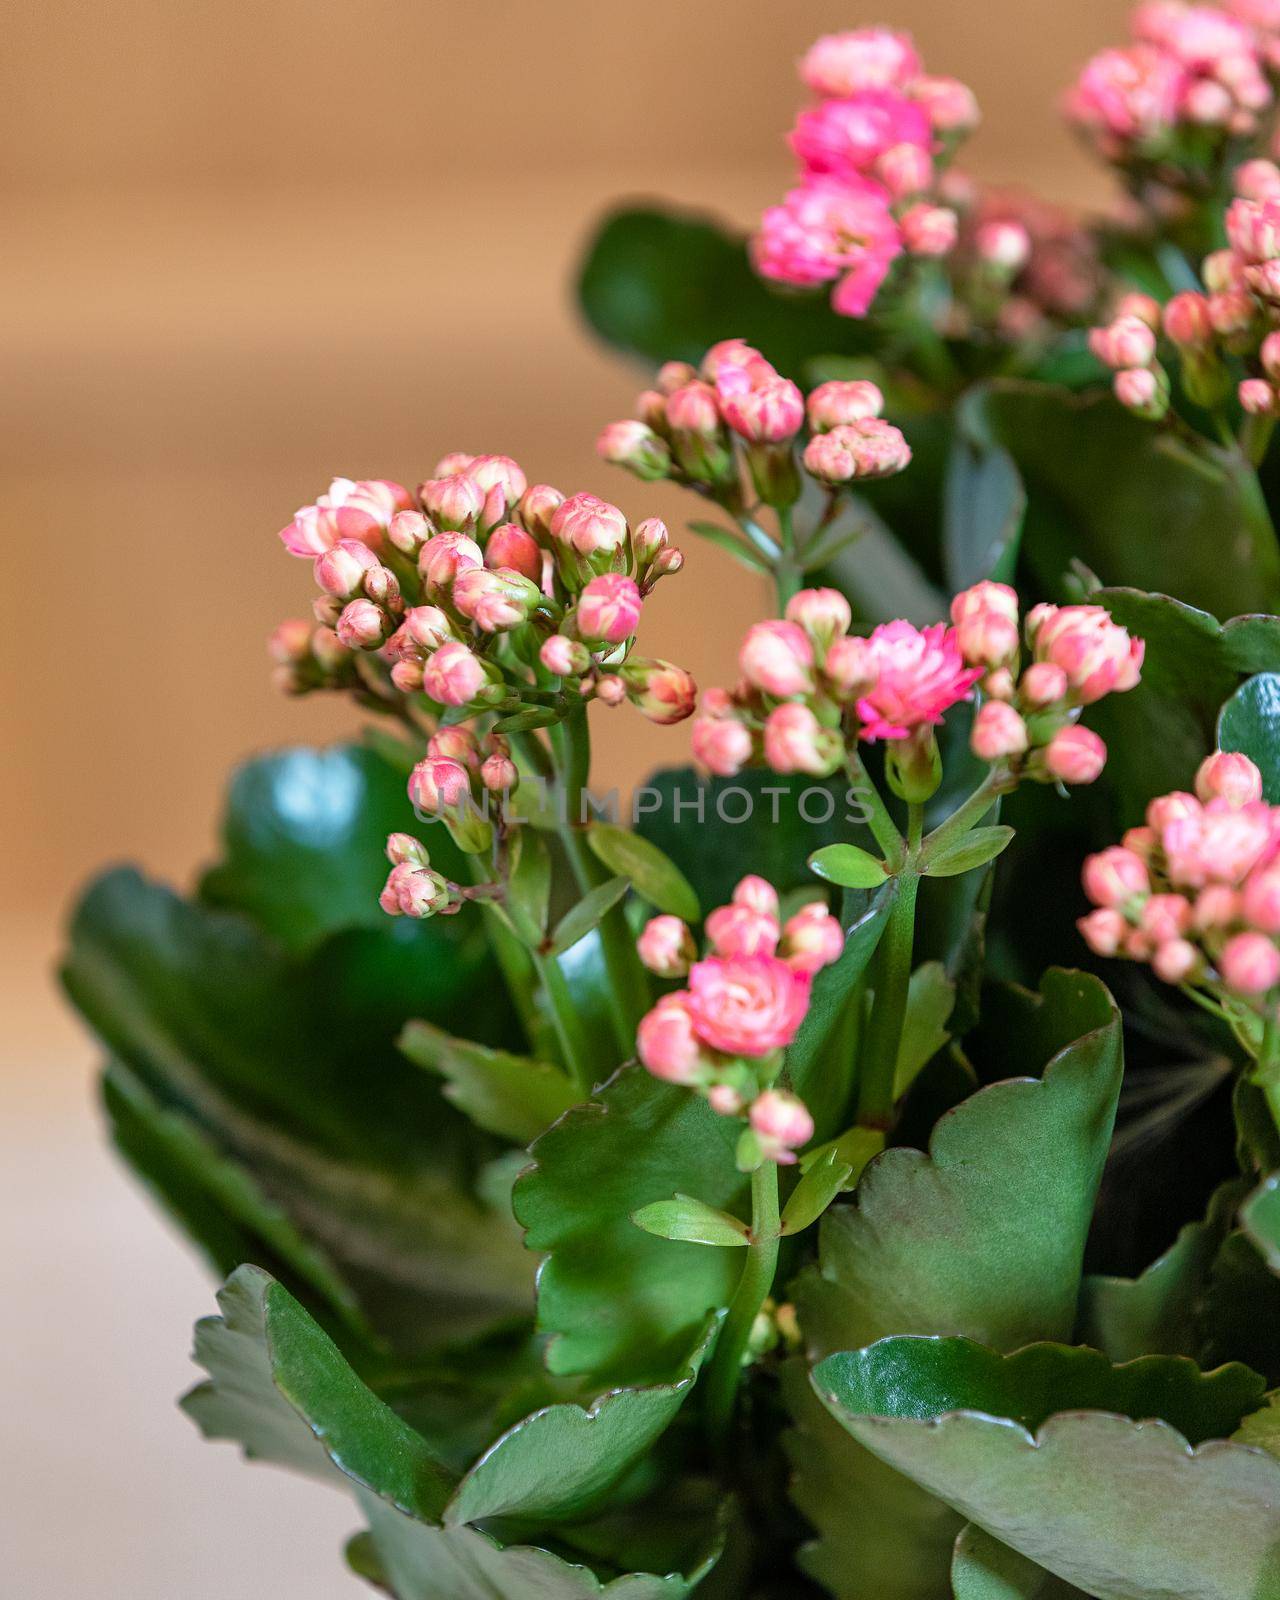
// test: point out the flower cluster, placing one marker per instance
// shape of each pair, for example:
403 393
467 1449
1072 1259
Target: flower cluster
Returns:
479 592
1195 891
692 425
1193 78
870 148
724 1033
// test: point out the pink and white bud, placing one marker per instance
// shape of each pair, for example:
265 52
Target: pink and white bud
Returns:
611 690
1217 906
454 676
1186 322
833 404
383 587
635 446
1165 916
742 931
1230 776
905 170
1232 312
1257 398
450 465
1075 755
438 784
427 627
1104 932
567 658
341 570
1260 900
452 503
1043 684
659 690
290 642
758 894
1126 342
781 1123
667 1044
811 939
1167 809
869 448
951 106
1249 964
1175 961
455 744
499 774
795 741
666 947
649 539
1115 876
588 525
415 891
725 1100
408 532
777 658
406 675
502 483
998 732
509 545
824 614
362 625
538 504
843 64
1223 272
929 231
608 609
673 375
442 558
1004 244
769 413
495 601
403 849
850 668
722 744
1142 391
694 409
1097 655
1143 306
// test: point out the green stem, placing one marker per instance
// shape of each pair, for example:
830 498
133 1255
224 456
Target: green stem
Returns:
1266 1072
787 574
575 1047
879 1063
882 825
968 815
725 1372
513 962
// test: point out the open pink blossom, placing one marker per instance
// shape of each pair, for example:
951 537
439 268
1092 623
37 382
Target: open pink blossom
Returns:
861 58
1128 97
742 931
747 1005
826 230
919 674
844 138
352 509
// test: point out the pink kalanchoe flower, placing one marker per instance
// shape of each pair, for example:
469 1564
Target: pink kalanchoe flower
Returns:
408 531
350 510
511 546
777 658
1097 655
951 106
1228 775
495 601
1250 964
442 558
826 230
453 675
538 504
723 745
1075 755
870 448
1128 98
747 1005
424 628
824 614
841 64
634 445
998 732
1043 683
843 138
986 619
919 674
1104 931
415 891
439 784
588 525
362 625
1218 843
694 408
781 1123
502 483
666 947
609 608
341 570
742 931
452 503
667 1043
771 412
757 893
849 667
841 401
1114 876
929 230
455 744
811 939
659 690
795 741
735 353
499 774
567 658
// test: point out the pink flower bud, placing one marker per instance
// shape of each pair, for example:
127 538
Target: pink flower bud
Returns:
362 625
612 691
782 1124
722 745
341 570
1187 323
635 446
328 650
725 1100
776 657
906 170
694 409
870 448
454 676
667 1044
450 465
495 601
666 947
1217 906
1114 876
741 931
438 784
1042 684
998 732
452 503
1004 244
382 587
1232 312
1257 398
795 741
1140 390
406 675
1075 755
1260 900
502 483
649 539
1257 180
1249 964
1229 776
758 894
850 668
403 848
1103 931
951 106
413 891
1270 356
588 525
1223 271
843 64
567 658
455 744
811 939
1143 306
499 774
770 413
1097 655
929 230
673 375
427 627
1126 342
1175 961
824 614
290 642
510 546
538 504
1169 808
833 404
998 684
408 532
609 608
659 690
735 353
443 557
1165 916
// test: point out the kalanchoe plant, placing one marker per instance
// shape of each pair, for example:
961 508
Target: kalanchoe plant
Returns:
753 1201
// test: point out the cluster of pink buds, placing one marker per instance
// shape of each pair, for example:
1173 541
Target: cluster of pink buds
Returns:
809 688
692 425
1193 79
454 782
871 149
413 889
1195 891
725 1033
309 655
1029 719
478 588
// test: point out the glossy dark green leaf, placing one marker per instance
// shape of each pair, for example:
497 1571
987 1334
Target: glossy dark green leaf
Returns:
848 867
984 1569
1051 1450
1250 722
651 872
619 1303
587 914
984 505
513 1096
694 1221
973 849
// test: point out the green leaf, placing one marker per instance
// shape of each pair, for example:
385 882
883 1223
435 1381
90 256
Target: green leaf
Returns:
984 505
847 866
984 1569
931 998
1250 722
683 1217
1261 1428
822 1182
513 1096
528 719
1260 1219
652 873
529 887
580 919
1051 1450
973 849
733 544
619 1303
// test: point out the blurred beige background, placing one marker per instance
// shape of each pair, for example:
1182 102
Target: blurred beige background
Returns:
247 247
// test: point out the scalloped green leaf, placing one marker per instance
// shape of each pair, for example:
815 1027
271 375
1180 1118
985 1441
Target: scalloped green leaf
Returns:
1250 722
651 872
513 1096
984 1569
1056 1453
